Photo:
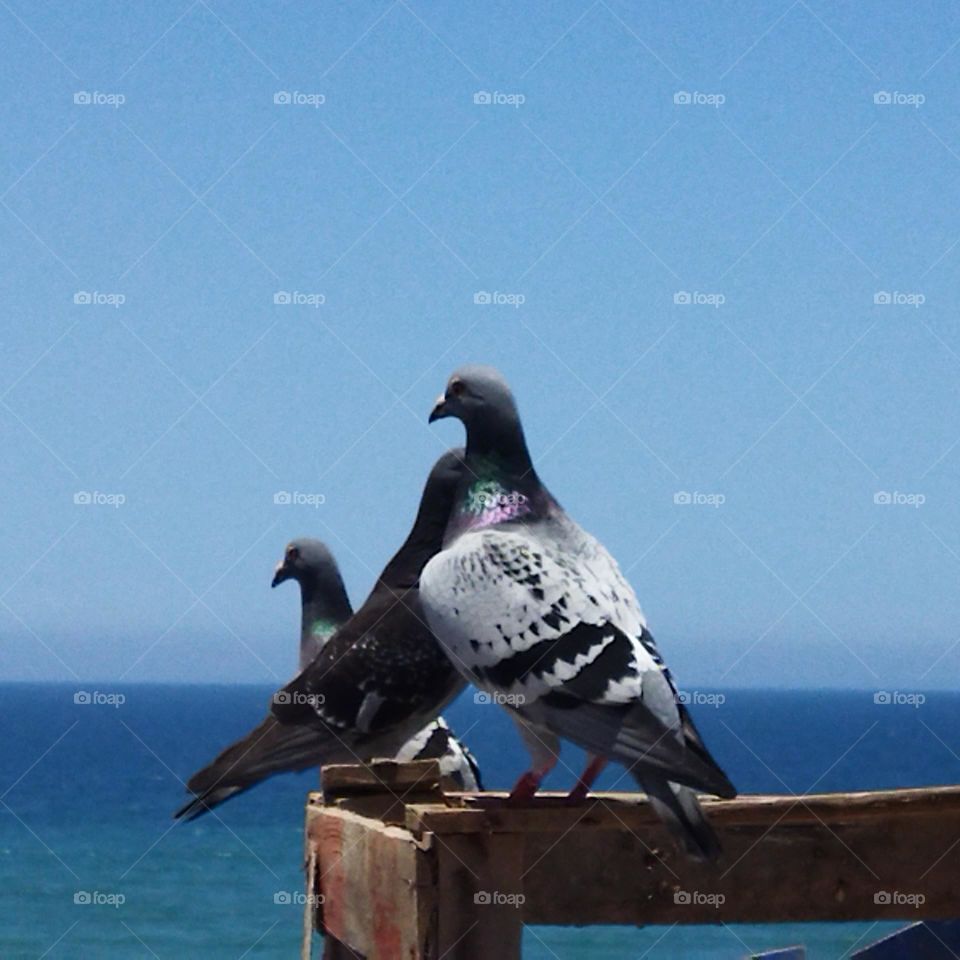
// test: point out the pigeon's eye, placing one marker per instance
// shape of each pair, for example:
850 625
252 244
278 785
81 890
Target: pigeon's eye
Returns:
457 388
293 553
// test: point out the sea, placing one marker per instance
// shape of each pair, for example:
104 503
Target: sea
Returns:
92 865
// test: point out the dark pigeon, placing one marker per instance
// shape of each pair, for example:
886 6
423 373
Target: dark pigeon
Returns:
533 610
377 651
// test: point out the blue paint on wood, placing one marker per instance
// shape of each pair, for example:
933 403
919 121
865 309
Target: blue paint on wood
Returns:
785 953
933 940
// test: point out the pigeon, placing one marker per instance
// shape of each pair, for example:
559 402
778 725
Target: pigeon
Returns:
533 610
377 653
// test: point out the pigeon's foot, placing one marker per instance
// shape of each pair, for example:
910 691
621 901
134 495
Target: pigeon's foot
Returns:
579 793
529 783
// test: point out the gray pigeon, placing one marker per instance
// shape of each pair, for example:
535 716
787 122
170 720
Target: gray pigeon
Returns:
533 610
279 747
324 604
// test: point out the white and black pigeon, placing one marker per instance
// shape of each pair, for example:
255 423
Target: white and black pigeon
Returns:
274 747
533 610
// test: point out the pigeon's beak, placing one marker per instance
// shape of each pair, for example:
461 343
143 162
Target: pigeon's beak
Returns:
280 574
440 409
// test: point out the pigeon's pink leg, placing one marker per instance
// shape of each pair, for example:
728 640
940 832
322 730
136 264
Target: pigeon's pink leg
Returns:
579 793
529 783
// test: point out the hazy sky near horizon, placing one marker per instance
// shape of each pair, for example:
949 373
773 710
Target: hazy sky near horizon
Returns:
244 246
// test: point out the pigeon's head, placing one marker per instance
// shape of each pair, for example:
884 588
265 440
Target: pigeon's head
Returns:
307 561
475 394
480 398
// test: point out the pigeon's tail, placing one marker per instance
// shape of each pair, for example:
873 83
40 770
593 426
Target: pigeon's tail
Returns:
678 807
268 749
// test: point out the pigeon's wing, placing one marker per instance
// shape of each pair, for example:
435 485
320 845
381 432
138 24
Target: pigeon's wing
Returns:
437 741
381 672
558 632
268 749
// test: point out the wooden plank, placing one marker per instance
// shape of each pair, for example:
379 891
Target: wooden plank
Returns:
465 813
381 776
610 860
377 888
465 872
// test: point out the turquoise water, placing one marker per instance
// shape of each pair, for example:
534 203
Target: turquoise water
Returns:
88 789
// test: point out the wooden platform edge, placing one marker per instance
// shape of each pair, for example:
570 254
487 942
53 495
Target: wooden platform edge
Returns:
451 872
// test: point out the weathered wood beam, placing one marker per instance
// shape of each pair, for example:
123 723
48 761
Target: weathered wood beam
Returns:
462 873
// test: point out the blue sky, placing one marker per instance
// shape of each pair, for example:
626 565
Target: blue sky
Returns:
812 176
